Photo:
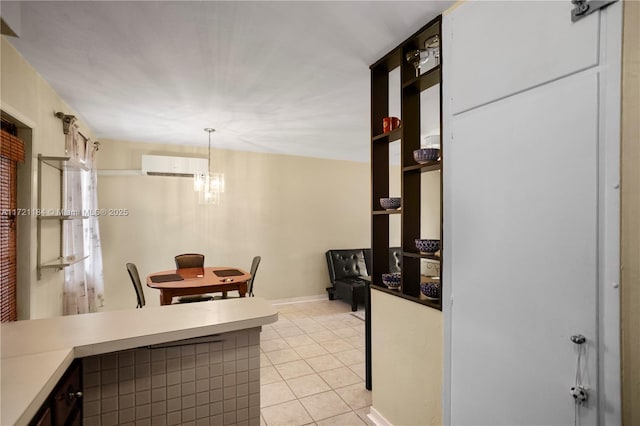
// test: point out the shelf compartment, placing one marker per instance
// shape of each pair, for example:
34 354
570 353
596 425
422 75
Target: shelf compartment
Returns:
435 304
388 137
417 255
63 217
376 212
62 262
425 81
422 168
62 163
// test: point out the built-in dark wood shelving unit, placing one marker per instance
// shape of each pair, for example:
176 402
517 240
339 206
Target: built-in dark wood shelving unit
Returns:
416 255
424 81
409 136
388 137
399 293
427 167
375 212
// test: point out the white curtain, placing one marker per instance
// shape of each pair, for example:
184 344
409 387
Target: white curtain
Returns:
83 281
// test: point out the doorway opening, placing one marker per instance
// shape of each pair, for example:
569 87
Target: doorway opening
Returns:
15 222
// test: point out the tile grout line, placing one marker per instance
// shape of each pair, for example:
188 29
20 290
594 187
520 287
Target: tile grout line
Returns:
319 321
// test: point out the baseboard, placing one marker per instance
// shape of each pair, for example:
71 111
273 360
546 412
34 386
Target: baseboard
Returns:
298 299
377 418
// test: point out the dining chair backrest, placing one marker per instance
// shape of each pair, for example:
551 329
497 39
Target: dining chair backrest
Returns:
254 268
189 260
137 285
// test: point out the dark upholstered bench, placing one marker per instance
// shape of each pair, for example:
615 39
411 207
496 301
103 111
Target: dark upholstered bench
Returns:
348 269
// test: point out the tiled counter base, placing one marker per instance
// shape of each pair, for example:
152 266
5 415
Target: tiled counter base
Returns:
214 380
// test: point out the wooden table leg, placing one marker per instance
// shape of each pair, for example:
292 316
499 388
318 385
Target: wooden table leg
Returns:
165 297
242 289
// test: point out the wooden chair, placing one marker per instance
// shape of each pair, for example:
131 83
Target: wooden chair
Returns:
191 260
254 269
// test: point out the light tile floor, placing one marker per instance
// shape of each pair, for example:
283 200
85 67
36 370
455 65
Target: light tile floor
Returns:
312 367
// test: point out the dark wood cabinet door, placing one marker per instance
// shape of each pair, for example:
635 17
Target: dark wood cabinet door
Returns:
76 418
67 396
43 418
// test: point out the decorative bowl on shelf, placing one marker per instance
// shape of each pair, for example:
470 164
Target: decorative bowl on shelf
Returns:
427 246
424 155
431 290
392 203
391 280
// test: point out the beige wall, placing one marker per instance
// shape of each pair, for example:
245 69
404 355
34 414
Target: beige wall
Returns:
406 360
289 210
28 98
630 218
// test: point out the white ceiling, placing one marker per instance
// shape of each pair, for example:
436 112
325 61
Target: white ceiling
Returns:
280 77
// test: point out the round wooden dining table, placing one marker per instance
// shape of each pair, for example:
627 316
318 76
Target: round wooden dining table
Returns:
193 281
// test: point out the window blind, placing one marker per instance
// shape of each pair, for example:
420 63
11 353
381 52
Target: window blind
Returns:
11 152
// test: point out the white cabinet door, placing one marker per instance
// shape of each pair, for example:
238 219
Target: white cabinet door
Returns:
524 184
505 47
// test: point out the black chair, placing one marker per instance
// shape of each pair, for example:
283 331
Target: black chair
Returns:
254 269
137 285
191 260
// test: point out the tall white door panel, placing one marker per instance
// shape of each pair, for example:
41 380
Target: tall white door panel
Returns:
524 187
524 245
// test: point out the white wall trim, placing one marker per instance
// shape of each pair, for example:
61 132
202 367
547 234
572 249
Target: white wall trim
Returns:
446 269
300 299
377 418
15 113
610 61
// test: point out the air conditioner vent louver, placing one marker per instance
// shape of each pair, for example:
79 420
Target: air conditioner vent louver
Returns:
169 174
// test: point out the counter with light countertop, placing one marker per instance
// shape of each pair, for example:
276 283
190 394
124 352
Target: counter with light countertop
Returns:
36 353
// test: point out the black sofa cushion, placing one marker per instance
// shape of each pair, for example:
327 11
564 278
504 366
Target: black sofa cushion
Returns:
346 264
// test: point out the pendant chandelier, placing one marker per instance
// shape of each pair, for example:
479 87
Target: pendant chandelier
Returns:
207 184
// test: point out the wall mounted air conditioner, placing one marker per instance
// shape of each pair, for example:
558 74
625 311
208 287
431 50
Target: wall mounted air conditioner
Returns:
160 165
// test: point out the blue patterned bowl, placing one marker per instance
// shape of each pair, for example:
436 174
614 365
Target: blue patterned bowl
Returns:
392 203
425 155
431 290
391 280
428 246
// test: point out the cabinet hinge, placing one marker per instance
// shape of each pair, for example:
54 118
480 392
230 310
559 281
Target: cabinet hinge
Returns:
587 7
